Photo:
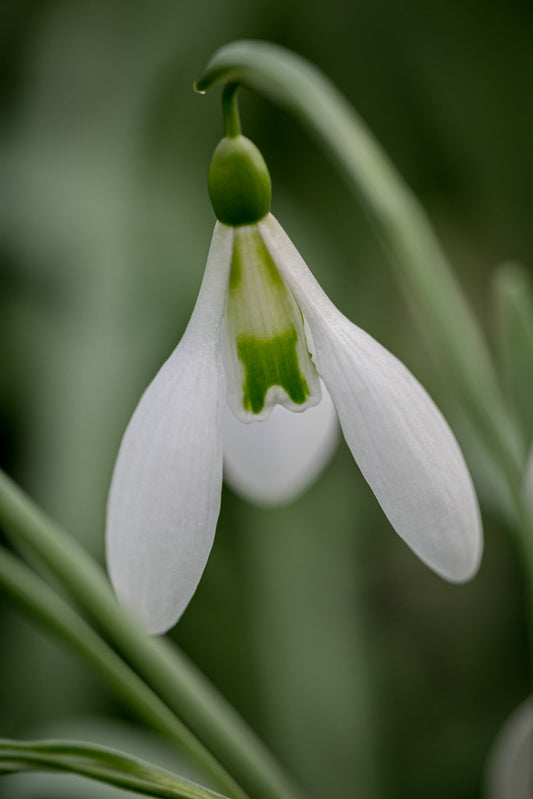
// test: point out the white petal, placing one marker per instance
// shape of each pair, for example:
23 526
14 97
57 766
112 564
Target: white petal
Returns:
165 493
274 461
510 766
401 442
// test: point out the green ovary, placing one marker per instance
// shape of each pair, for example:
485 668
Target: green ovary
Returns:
271 362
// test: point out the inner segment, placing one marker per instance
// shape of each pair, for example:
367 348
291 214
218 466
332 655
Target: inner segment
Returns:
273 362
267 359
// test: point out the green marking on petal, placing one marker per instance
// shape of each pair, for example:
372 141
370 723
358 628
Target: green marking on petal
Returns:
273 362
259 254
265 336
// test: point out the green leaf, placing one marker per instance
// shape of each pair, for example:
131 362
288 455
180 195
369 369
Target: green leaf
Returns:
161 666
514 309
32 594
99 763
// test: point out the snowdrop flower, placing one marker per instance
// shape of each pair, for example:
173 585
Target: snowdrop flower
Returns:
264 334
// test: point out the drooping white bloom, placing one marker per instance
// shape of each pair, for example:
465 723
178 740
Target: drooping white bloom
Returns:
263 333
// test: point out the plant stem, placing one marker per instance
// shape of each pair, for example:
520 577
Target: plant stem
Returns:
230 110
162 666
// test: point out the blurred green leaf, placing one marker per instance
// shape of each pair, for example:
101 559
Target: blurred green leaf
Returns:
514 306
100 731
34 596
99 763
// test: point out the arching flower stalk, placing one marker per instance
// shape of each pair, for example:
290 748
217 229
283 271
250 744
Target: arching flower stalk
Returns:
264 334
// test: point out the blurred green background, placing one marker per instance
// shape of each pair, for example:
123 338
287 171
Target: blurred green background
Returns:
366 674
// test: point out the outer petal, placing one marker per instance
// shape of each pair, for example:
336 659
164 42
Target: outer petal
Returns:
273 461
402 444
165 493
